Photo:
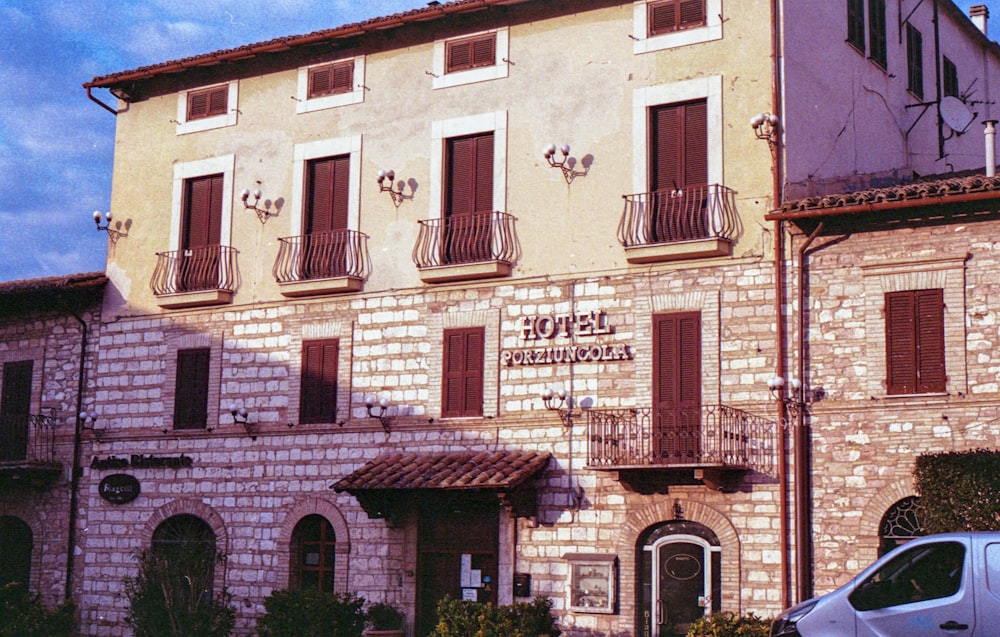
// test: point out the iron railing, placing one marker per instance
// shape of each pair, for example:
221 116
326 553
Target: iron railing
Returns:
27 439
670 216
464 239
710 435
322 255
195 270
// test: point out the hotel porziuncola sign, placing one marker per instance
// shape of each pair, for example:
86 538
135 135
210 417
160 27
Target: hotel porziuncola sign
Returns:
545 329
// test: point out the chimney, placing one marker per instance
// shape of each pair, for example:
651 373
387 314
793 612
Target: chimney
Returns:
980 15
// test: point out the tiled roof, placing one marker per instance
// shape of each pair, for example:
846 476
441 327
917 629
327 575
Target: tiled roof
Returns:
454 471
53 283
919 193
67 293
432 11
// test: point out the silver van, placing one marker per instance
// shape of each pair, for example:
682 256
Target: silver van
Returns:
946 584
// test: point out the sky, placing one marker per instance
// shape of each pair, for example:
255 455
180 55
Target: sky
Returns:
56 146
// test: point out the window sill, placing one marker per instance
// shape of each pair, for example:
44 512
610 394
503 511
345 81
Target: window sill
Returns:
337 285
679 251
465 272
201 298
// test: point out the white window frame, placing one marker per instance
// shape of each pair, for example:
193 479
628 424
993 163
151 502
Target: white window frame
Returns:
229 118
496 123
707 88
224 164
305 104
644 44
442 79
350 145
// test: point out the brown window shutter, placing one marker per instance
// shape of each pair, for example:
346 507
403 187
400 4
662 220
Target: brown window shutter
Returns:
208 103
915 353
692 13
677 386
191 389
949 77
900 338
679 146
463 372
15 401
914 61
929 313
329 194
203 211
318 393
674 15
470 175
331 79
856 24
470 53
876 32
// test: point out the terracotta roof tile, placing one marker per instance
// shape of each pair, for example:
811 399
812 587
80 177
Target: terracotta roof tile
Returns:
454 471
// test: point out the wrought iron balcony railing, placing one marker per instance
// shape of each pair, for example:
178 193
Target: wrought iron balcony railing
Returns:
466 239
670 216
194 270
706 436
322 255
26 440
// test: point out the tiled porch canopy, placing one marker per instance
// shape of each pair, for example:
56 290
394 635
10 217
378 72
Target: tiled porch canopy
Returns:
385 485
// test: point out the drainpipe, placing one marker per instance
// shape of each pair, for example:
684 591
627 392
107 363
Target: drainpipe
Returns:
803 496
76 470
991 148
781 332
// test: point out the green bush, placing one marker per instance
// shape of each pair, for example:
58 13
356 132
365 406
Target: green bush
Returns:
170 597
457 618
726 624
22 614
310 613
959 491
383 616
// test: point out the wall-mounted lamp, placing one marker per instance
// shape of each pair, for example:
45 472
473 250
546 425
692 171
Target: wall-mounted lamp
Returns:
88 420
378 409
794 400
766 126
396 193
262 213
113 233
241 417
549 153
557 401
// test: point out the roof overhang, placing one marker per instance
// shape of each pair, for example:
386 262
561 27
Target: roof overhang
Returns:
388 484
68 293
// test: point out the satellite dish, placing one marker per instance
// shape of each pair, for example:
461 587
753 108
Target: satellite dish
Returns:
956 114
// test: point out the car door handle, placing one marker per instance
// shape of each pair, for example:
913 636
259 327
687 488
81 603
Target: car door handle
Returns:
954 625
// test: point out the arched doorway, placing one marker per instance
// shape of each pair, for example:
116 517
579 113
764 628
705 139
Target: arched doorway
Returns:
313 554
680 576
16 543
900 524
186 544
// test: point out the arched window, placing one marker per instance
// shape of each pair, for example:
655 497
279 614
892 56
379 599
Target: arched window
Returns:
312 554
16 542
187 545
900 524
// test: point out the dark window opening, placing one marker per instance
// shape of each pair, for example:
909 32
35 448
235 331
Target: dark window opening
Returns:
876 33
914 61
949 78
191 389
16 544
15 410
318 393
900 524
856 24
313 554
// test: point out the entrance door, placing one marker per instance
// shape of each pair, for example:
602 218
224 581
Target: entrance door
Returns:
682 577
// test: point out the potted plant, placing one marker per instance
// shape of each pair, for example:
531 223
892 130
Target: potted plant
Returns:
384 620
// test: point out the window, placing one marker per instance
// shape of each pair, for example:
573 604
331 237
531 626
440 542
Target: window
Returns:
191 389
949 78
876 32
900 524
856 24
16 544
928 571
313 554
331 79
327 202
470 53
462 377
914 335
318 393
914 61
675 15
678 168
15 409
468 209
677 387
186 543
207 102
201 233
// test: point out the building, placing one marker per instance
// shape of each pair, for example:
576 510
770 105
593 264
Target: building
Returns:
366 330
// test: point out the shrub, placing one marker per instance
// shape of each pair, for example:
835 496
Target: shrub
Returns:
383 616
310 613
170 597
959 491
22 614
457 618
726 624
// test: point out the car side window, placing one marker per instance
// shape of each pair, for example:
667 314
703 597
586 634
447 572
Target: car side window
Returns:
928 571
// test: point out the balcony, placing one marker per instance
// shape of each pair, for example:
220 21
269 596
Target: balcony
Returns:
711 444
27 452
322 263
195 277
466 247
670 225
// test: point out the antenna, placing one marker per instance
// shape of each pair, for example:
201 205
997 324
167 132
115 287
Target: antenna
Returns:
956 114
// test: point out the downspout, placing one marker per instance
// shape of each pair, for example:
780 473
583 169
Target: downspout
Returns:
76 470
803 499
781 334
100 103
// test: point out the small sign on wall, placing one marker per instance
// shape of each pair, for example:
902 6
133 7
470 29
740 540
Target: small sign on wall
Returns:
119 488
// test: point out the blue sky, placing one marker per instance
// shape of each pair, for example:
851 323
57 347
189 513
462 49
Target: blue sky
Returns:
56 146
